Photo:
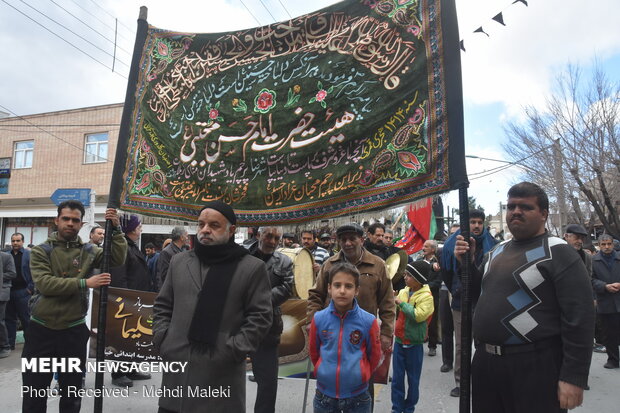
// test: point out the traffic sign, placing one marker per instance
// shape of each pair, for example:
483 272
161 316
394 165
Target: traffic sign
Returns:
71 194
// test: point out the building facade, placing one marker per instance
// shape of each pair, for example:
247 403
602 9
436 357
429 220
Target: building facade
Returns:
59 150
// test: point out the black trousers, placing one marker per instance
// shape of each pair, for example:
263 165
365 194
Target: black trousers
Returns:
516 383
433 328
611 330
43 342
447 328
265 370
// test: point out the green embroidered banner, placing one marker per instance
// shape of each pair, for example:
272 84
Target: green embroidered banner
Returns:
354 107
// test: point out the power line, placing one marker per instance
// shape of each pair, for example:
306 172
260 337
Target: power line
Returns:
110 14
285 9
61 38
74 33
91 28
101 21
503 167
246 7
268 11
48 132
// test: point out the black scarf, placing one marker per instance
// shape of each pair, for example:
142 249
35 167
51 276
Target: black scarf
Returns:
375 249
222 260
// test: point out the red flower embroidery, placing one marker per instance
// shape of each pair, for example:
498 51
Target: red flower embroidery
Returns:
213 114
320 95
265 100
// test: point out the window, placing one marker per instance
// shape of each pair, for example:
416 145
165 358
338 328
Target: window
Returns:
23 154
96 148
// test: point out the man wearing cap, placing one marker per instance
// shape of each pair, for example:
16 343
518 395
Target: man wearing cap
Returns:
134 274
325 241
288 239
533 324
375 290
575 235
213 309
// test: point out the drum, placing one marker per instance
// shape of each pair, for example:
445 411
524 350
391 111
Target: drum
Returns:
396 265
302 270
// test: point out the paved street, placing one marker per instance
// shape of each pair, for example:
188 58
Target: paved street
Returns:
434 391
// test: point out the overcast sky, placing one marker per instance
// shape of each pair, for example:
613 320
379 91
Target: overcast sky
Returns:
515 66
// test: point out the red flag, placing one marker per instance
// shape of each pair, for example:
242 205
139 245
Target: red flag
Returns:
422 228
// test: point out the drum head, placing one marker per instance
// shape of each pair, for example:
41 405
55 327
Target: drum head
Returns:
302 270
392 263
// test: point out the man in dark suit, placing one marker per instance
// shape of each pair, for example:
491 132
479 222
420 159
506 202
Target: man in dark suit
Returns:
213 308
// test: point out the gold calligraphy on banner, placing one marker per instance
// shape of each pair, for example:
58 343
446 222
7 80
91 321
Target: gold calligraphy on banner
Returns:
371 42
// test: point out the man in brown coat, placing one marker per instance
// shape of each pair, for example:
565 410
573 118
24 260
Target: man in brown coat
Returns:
213 309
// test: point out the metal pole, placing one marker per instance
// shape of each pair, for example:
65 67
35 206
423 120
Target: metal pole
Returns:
102 318
114 198
303 410
464 404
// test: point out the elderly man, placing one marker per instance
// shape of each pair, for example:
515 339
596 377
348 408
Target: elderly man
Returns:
429 251
213 309
606 284
178 239
575 235
534 321
375 290
265 359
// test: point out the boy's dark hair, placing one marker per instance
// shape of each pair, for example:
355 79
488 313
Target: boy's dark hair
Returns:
149 245
71 205
528 189
373 227
476 213
346 268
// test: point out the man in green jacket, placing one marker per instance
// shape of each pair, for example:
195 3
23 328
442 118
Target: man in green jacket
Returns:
62 270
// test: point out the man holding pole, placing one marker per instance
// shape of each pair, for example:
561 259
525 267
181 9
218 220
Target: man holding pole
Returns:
533 324
62 270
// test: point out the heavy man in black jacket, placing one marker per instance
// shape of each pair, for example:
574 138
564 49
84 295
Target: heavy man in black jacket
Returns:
265 359
534 321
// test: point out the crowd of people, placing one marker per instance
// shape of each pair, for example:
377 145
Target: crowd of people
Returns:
541 306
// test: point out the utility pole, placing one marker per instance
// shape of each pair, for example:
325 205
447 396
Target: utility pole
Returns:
501 219
559 179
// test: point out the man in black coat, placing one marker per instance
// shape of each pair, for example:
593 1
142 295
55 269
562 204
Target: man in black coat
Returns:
606 284
265 358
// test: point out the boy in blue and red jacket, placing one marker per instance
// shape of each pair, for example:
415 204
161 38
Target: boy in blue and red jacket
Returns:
345 347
